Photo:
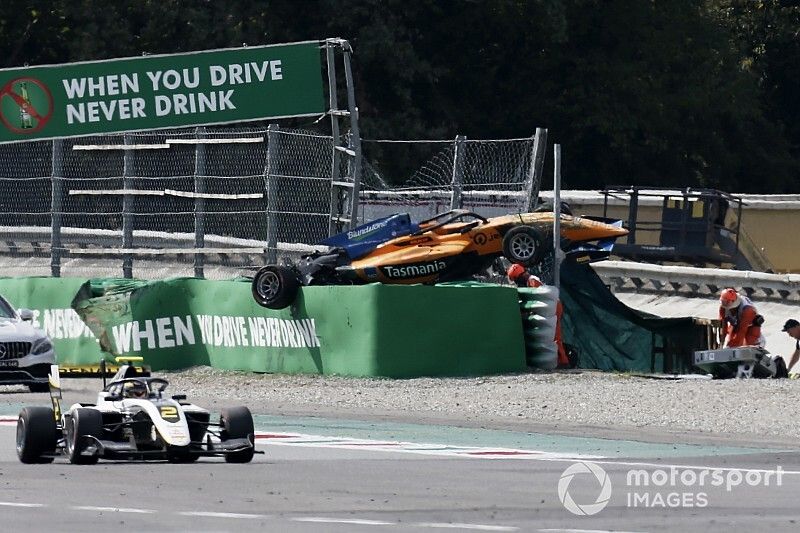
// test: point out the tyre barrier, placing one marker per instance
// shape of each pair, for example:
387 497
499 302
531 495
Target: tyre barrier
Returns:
538 310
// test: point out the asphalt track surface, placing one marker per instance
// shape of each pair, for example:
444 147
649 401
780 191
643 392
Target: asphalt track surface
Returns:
348 475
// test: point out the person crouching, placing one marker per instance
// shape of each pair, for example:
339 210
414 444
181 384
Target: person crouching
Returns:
740 319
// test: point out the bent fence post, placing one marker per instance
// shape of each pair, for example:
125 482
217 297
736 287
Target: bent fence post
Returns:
534 180
458 172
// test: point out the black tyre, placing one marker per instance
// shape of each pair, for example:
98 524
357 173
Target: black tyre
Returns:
237 423
181 454
80 427
39 387
524 245
275 287
37 435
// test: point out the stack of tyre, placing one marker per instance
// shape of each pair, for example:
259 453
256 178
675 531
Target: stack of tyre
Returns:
538 307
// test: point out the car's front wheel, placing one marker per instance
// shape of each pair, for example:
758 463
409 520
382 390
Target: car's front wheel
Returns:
36 435
82 428
237 423
275 286
524 245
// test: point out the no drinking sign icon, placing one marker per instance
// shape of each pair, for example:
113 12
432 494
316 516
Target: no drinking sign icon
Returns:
26 104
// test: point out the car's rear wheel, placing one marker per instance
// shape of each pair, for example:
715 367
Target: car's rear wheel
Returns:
37 435
81 428
524 245
237 423
275 287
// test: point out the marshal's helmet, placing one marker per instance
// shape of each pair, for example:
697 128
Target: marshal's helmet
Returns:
729 298
519 274
515 271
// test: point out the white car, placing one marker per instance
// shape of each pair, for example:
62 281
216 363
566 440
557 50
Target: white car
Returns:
25 352
133 418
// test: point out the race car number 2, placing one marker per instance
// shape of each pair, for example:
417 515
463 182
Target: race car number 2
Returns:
169 413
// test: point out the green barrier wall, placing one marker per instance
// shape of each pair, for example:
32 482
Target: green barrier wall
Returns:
371 330
50 300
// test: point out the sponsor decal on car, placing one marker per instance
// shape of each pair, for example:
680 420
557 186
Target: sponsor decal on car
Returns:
414 241
176 432
414 270
357 235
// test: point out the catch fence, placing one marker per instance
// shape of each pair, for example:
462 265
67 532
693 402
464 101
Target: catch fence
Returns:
217 202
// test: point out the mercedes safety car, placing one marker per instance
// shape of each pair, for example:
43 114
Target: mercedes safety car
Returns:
133 418
26 352
451 246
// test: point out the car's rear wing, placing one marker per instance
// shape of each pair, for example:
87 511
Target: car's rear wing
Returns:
126 368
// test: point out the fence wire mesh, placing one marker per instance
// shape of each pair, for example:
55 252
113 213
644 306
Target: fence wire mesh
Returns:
216 202
491 176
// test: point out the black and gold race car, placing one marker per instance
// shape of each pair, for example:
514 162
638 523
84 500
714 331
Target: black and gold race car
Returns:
135 419
451 246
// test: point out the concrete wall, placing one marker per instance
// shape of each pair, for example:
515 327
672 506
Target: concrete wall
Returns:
769 221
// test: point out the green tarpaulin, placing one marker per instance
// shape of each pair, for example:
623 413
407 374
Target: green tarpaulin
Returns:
611 336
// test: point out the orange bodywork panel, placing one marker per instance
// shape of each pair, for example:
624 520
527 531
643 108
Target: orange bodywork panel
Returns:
420 258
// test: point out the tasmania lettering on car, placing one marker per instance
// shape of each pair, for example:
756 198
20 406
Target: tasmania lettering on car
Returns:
414 270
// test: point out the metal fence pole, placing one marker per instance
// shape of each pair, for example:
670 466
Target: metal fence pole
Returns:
458 172
199 202
534 180
558 253
272 200
633 214
355 136
333 105
56 206
127 210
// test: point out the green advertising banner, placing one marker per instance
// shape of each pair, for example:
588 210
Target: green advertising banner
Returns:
371 330
50 300
161 91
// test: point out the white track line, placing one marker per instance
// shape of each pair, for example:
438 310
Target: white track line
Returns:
112 509
344 443
586 531
15 504
209 514
354 521
479 527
